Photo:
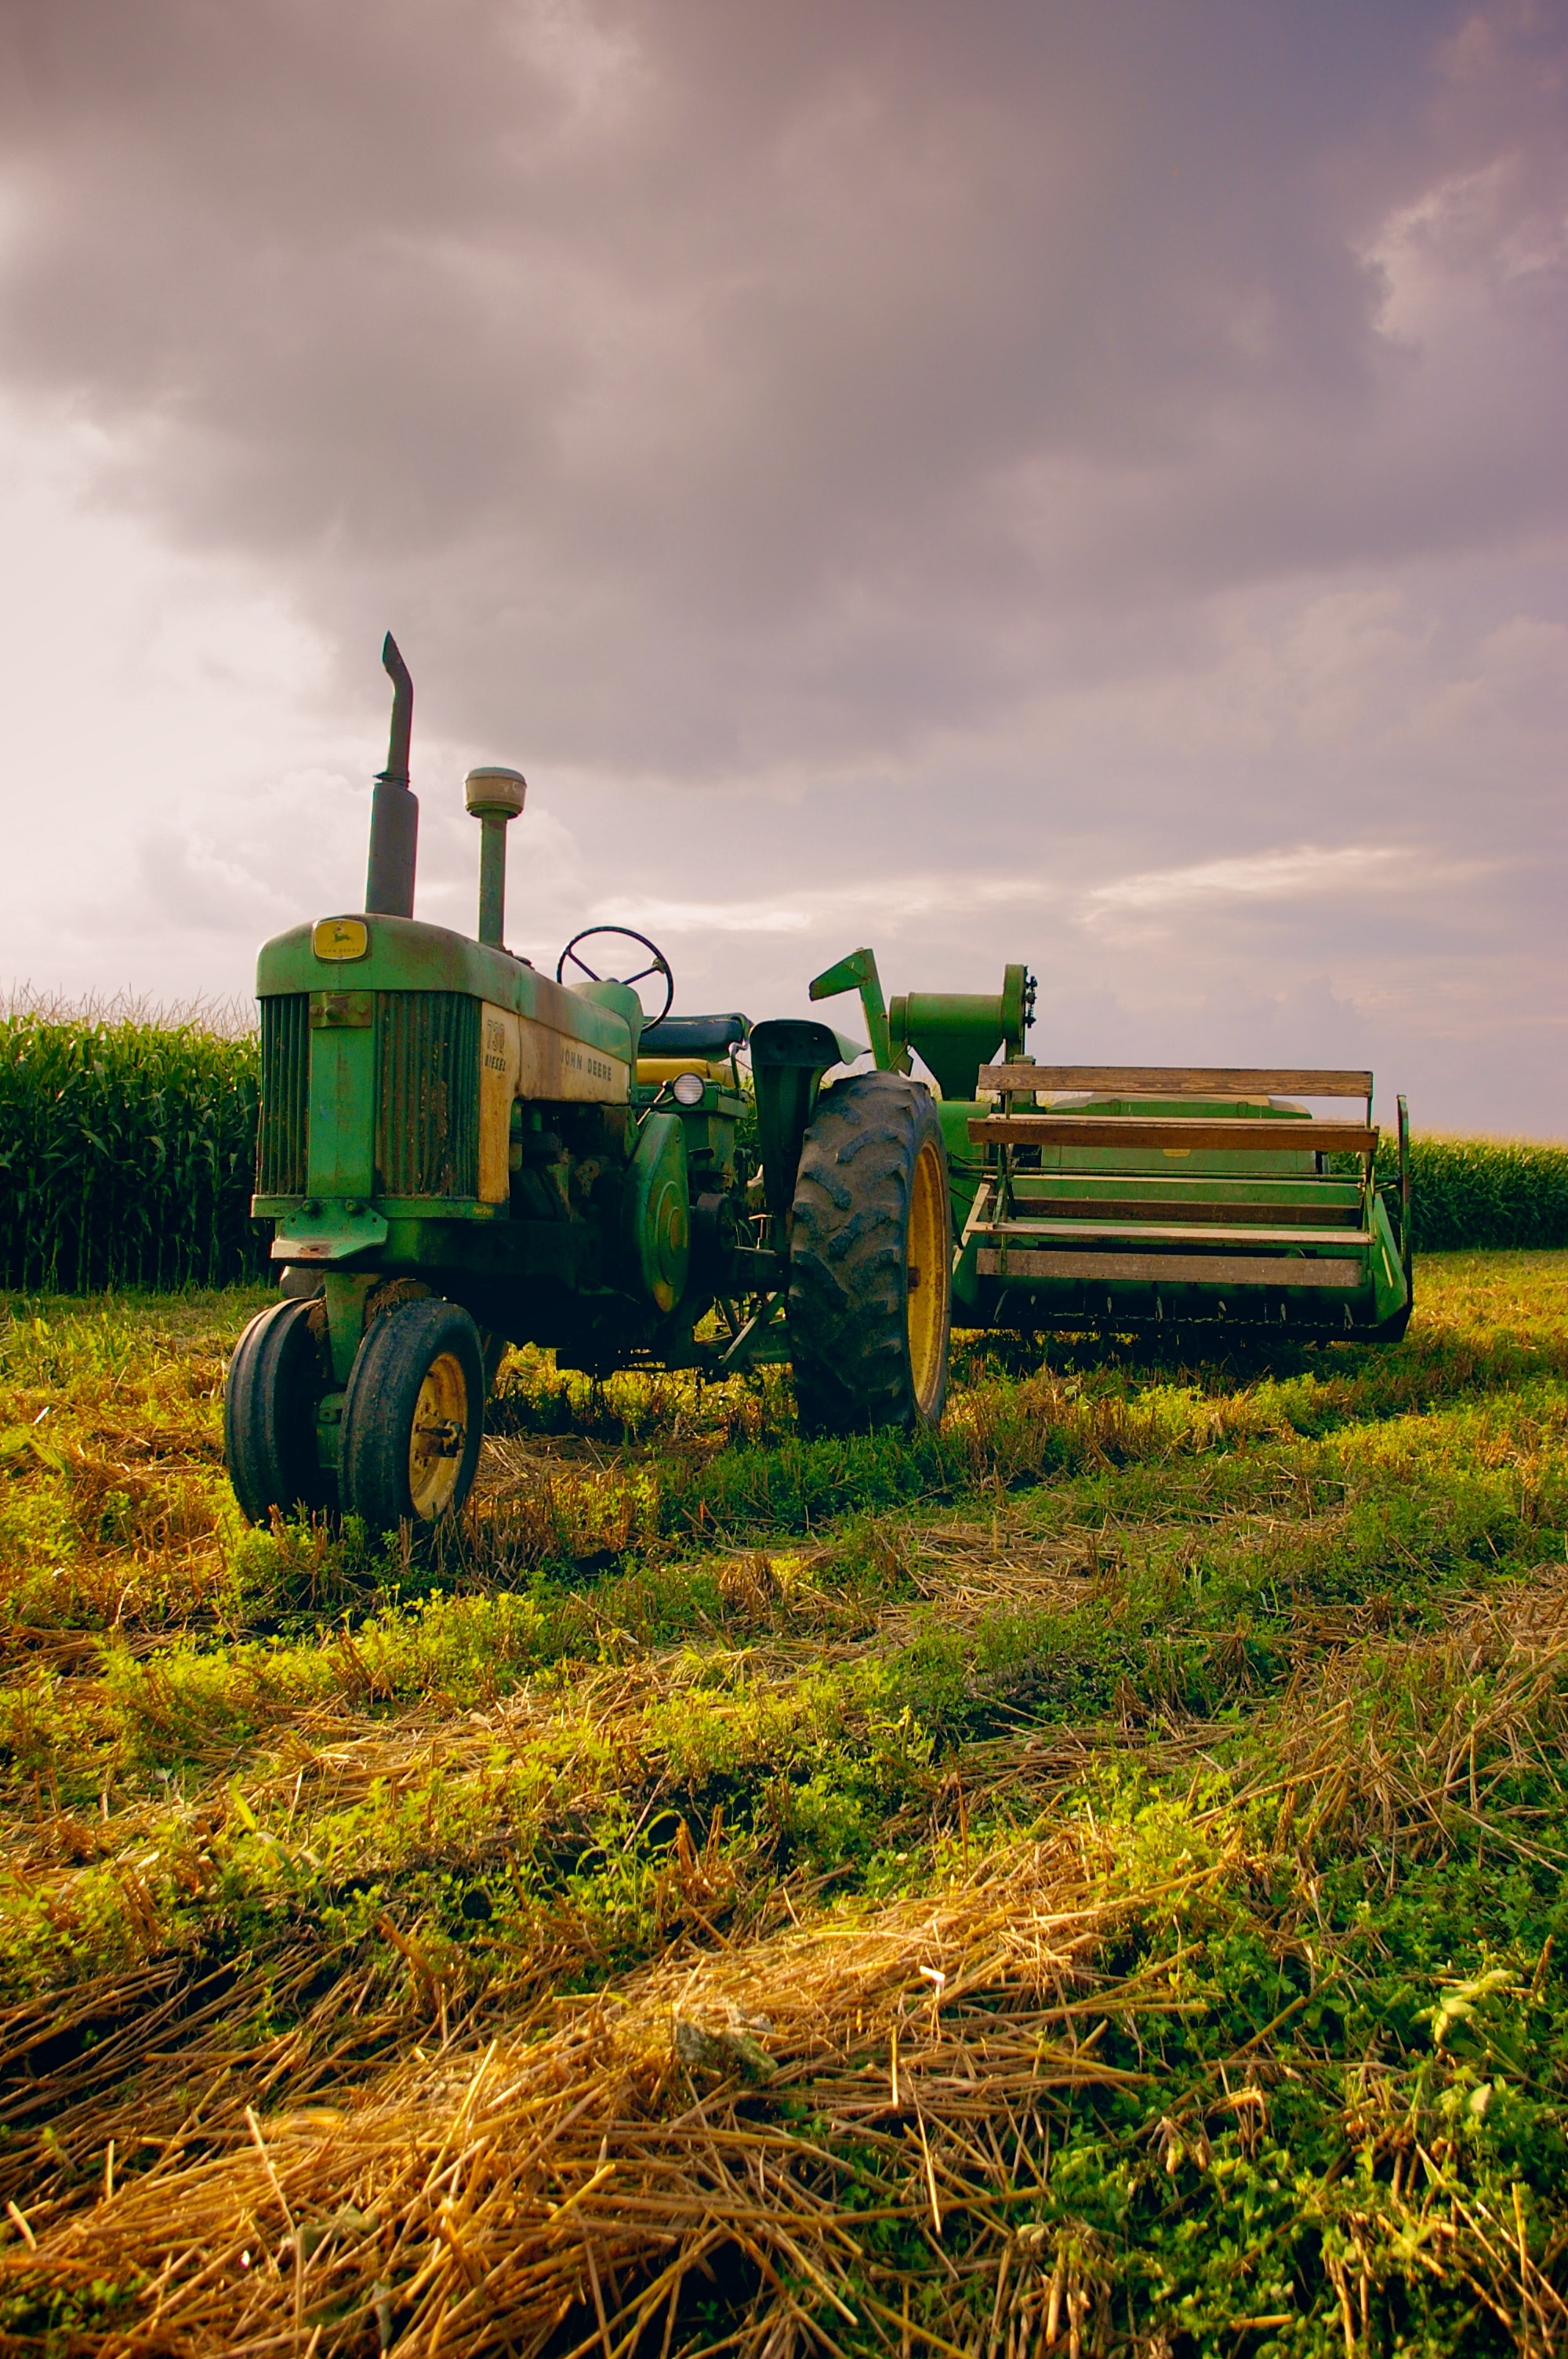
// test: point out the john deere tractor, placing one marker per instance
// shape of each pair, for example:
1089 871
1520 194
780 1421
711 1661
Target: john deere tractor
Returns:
460 1152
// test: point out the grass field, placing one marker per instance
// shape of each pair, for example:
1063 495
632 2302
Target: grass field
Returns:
1092 1882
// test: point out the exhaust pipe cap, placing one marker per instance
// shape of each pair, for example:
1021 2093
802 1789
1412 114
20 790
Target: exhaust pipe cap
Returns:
494 790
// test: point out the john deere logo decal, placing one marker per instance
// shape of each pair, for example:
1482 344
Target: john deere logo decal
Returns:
340 938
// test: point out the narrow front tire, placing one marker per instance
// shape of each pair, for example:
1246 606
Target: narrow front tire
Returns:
413 1415
274 1387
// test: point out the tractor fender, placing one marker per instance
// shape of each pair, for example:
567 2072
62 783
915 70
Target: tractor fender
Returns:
656 1225
789 1057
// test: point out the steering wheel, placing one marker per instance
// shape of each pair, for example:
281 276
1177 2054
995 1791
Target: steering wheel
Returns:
657 964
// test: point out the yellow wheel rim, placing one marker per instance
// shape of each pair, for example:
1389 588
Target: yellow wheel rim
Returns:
928 1278
438 1438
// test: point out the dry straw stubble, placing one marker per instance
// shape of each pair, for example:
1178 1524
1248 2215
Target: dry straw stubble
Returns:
572 2179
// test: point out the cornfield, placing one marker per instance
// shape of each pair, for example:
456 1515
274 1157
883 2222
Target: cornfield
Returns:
1467 1192
127 1146
126 1150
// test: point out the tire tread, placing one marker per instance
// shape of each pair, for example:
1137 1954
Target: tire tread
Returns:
848 1295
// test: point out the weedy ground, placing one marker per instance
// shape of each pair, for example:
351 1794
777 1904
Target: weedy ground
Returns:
1091 1881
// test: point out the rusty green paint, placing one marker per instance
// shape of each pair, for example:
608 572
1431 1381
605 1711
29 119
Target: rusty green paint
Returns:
341 1158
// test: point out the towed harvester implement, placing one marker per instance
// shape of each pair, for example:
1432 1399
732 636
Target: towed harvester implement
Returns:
1120 1198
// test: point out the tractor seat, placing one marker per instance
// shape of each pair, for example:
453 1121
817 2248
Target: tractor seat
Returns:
692 1036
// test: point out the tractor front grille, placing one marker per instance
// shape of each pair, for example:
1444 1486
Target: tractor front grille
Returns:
285 1094
426 1115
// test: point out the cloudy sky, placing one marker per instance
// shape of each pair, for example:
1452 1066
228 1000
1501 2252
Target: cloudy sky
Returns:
1075 480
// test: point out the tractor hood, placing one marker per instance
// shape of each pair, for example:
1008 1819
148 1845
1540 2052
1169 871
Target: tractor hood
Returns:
361 952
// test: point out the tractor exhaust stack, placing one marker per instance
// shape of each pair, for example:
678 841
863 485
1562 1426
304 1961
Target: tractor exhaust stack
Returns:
494 795
393 811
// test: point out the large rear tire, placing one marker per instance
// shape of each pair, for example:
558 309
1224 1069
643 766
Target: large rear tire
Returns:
413 1415
274 1387
871 1260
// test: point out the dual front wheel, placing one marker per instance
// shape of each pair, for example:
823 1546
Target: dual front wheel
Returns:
411 1423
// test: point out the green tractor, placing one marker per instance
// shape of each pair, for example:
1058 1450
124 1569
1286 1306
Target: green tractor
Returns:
459 1152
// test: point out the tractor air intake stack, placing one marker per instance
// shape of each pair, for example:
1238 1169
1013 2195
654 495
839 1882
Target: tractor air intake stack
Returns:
494 795
393 811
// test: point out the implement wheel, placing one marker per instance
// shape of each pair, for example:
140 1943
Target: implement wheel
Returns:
413 1415
871 1260
275 1386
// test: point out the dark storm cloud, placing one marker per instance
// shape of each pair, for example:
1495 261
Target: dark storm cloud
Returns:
1081 480
725 389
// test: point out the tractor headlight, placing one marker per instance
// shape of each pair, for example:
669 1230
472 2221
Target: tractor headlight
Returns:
687 1088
